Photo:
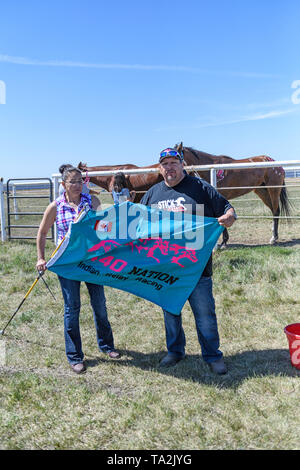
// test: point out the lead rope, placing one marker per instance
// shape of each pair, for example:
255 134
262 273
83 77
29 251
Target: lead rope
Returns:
87 179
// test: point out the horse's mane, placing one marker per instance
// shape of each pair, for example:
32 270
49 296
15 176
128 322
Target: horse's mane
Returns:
200 155
197 153
193 151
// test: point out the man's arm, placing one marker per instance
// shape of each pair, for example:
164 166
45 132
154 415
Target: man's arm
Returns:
224 211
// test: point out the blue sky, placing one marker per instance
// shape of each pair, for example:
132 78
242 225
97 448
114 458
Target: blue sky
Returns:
115 82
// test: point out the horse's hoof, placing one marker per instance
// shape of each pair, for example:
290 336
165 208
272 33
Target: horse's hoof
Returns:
223 246
273 241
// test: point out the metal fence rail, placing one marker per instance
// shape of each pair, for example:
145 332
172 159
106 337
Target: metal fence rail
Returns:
293 165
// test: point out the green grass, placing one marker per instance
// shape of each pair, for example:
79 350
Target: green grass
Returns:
130 403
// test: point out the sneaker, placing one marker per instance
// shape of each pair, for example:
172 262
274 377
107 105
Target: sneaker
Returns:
218 367
78 368
170 360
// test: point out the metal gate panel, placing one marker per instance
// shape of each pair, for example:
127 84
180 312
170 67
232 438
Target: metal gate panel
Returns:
12 212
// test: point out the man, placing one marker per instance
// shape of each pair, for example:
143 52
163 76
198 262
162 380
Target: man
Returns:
180 189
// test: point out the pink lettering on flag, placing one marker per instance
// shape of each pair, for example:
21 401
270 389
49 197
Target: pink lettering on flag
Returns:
183 253
106 244
164 247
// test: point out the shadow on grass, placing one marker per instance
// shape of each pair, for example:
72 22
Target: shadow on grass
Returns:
241 366
293 242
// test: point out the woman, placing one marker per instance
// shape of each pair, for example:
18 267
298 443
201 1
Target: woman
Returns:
63 211
85 188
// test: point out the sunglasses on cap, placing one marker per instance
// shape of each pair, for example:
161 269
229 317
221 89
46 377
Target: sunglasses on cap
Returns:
170 153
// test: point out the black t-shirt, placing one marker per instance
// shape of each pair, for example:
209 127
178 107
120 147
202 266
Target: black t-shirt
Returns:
185 196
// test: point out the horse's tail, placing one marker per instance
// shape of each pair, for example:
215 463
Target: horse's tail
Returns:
285 203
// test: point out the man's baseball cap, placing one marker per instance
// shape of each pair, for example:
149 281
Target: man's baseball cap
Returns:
170 152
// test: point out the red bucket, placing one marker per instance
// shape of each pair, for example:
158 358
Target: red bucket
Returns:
293 335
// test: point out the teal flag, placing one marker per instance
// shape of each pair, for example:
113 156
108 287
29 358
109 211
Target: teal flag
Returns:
154 254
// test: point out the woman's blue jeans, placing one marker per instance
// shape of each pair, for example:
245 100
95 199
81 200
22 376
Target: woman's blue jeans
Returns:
71 294
203 306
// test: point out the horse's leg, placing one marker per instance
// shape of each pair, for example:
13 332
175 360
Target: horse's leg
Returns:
269 199
275 227
225 236
263 194
274 194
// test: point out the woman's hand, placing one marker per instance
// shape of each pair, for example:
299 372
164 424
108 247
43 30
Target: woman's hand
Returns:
41 265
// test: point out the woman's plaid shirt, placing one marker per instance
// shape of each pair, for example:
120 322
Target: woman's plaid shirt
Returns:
65 214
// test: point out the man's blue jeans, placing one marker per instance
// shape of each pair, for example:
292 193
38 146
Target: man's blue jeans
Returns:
71 294
203 306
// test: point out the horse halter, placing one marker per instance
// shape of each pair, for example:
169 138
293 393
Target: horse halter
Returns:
87 179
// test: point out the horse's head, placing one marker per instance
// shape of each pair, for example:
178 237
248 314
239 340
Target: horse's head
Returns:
82 166
179 147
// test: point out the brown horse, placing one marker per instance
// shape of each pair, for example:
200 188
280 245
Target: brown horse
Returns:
254 179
